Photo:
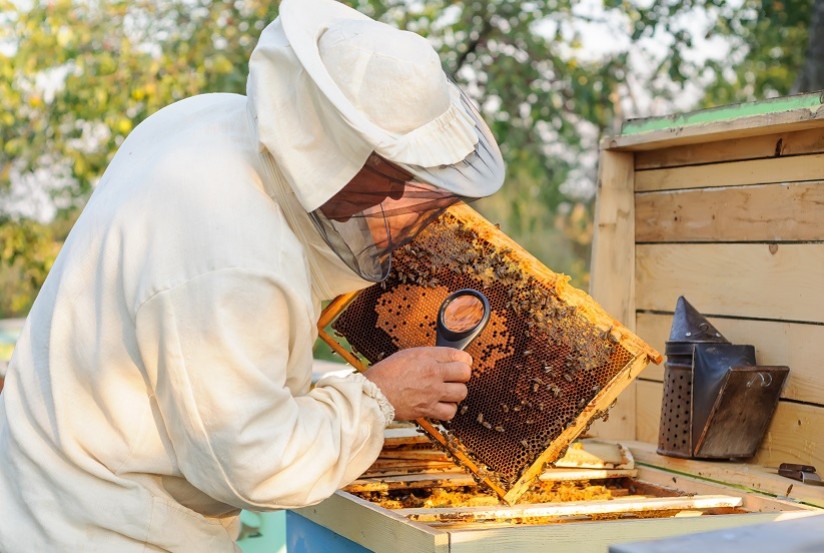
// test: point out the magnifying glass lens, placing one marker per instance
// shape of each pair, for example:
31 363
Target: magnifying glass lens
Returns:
461 318
463 313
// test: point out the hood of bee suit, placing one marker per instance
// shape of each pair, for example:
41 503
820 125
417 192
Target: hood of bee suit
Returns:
328 87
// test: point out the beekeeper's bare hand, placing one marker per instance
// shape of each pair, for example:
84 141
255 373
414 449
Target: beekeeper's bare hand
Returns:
423 382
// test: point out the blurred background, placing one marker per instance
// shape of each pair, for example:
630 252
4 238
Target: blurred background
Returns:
553 77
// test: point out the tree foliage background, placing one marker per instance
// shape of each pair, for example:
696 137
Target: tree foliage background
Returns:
76 76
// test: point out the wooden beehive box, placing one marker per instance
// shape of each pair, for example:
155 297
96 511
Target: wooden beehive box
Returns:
724 207
347 523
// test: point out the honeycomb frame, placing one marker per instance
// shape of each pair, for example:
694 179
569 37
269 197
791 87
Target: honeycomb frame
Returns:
549 362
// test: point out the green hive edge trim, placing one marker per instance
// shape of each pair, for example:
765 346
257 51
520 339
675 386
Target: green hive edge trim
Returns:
810 101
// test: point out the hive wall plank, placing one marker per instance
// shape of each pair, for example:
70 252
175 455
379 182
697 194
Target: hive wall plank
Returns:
648 410
734 173
375 528
598 537
773 212
748 476
798 346
765 146
703 477
613 242
764 281
613 247
794 434
800 534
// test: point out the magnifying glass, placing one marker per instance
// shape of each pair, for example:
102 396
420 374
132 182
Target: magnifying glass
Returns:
462 316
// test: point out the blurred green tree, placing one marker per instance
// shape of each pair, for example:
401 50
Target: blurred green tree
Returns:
774 47
77 76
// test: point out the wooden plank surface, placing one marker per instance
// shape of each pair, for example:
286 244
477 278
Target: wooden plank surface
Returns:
648 409
571 508
734 173
383 531
726 122
566 475
612 254
749 476
772 212
796 345
412 481
795 533
405 435
594 537
765 281
659 471
612 245
375 528
794 434
764 146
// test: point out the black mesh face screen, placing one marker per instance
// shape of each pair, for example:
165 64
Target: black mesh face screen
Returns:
540 363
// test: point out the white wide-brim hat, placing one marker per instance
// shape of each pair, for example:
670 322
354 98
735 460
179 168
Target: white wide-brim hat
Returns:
328 86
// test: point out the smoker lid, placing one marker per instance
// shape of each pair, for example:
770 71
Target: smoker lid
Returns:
688 325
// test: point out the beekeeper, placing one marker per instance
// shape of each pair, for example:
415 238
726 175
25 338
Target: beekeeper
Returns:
162 380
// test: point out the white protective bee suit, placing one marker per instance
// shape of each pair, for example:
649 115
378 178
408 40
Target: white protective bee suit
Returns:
162 379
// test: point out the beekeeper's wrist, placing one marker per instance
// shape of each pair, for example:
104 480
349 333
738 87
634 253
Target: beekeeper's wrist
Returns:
370 389
350 382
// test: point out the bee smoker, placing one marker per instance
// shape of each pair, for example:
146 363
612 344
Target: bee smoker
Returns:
717 401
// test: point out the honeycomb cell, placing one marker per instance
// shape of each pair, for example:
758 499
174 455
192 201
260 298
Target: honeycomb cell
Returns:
538 364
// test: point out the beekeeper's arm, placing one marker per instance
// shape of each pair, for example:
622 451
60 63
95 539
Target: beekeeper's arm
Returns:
216 349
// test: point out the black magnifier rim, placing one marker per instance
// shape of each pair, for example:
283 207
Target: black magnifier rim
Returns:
455 338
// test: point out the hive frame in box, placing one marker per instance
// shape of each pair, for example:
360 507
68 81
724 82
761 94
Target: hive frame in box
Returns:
347 515
550 352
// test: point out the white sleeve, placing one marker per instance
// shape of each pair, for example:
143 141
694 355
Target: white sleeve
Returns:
216 350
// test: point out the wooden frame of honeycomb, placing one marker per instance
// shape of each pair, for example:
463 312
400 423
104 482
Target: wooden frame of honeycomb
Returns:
549 362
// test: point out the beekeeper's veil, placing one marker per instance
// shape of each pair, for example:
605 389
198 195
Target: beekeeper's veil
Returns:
368 131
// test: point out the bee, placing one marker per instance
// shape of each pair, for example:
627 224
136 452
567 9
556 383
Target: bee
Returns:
464 409
500 428
480 418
